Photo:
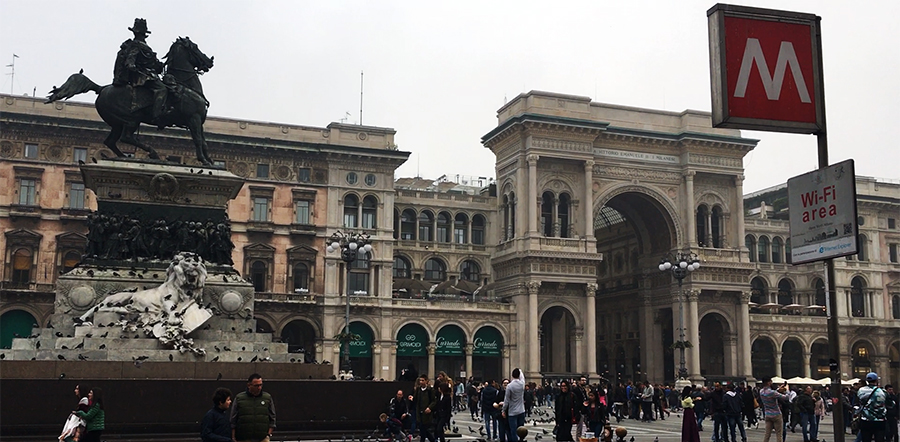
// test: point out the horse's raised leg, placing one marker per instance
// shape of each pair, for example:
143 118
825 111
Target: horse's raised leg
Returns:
195 125
132 139
113 137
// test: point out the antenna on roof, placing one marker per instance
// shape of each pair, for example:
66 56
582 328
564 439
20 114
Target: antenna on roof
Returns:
360 96
12 75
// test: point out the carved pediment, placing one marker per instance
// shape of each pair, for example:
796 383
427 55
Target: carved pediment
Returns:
71 239
23 237
302 253
259 251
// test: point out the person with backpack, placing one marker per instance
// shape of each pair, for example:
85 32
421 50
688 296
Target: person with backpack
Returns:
734 405
488 398
873 410
806 408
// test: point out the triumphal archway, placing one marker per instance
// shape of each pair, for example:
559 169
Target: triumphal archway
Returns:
592 197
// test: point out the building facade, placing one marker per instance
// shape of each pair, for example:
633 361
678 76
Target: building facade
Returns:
552 267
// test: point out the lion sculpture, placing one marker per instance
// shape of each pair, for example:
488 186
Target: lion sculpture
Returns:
169 311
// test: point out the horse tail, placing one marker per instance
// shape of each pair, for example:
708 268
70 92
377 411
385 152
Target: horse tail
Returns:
74 85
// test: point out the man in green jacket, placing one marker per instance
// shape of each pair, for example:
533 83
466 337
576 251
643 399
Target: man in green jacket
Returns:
424 401
253 413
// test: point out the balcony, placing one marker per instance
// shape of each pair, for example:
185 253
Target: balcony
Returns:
24 211
296 297
260 227
303 229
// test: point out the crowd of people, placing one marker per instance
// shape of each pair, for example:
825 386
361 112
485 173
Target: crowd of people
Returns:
579 407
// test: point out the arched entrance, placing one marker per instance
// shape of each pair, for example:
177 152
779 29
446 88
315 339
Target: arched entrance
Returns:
487 354
300 336
713 328
894 363
861 359
361 350
412 353
791 359
263 326
818 360
762 359
634 230
557 341
15 322
449 351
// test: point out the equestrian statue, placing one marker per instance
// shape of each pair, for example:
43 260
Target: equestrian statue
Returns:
144 90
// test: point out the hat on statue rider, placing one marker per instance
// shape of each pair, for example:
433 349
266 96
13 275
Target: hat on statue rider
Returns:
872 377
140 25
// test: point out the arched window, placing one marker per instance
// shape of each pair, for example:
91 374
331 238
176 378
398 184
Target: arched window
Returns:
301 277
862 254
426 226
758 291
435 270
857 297
396 224
785 292
750 243
563 213
470 271
763 249
478 230
401 267
22 263
258 274
408 225
70 261
777 247
443 227
359 273
716 221
369 212
461 229
547 213
820 299
351 209
895 306
787 251
702 216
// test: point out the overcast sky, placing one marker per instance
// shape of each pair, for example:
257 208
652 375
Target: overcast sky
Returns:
438 72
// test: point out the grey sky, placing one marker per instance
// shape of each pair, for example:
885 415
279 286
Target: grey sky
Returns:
437 73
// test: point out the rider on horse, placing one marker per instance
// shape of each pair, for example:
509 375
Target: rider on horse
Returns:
137 66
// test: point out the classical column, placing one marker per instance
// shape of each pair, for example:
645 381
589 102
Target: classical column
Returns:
693 327
691 210
579 348
554 228
469 349
739 211
534 341
806 357
532 193
778 363
430 350
590 329
506 369
588 199
709 221
744 338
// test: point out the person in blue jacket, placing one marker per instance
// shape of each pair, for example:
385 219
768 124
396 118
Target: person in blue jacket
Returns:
216 425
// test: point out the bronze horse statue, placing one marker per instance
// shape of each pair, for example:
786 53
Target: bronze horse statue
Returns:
124 108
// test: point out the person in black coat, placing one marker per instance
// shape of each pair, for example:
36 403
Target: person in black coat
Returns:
216 425
400 409
443 410
566 412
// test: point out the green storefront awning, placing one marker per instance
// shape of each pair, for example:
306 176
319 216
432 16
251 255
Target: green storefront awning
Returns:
488 342
362 347
412 340
451 341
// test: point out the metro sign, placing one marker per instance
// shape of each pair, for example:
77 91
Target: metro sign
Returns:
766 69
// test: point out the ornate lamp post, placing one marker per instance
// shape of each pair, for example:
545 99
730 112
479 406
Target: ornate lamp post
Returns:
680 265
349 243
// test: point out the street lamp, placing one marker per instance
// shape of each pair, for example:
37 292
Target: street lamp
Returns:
349 243
680 265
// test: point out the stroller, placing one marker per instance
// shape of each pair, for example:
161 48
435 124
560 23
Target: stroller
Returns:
393 429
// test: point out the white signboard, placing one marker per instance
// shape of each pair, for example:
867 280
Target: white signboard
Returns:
822 206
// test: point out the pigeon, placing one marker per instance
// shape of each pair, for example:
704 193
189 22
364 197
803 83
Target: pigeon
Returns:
59 334
171 358
216 359
62 375
79 346
219 377
545 431
102 346
82 357
254 359
37 345
216 347
538 437
61 357
64 347
632 439
456 429
240 359
471 430
104 335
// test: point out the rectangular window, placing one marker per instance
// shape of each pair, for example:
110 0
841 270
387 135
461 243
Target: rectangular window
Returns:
368 219
477 236
359 282
262 170
27 191
302 212
892 223
260 209
76 196
304 175
219 163
894 252
79 154
459 235
31 151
